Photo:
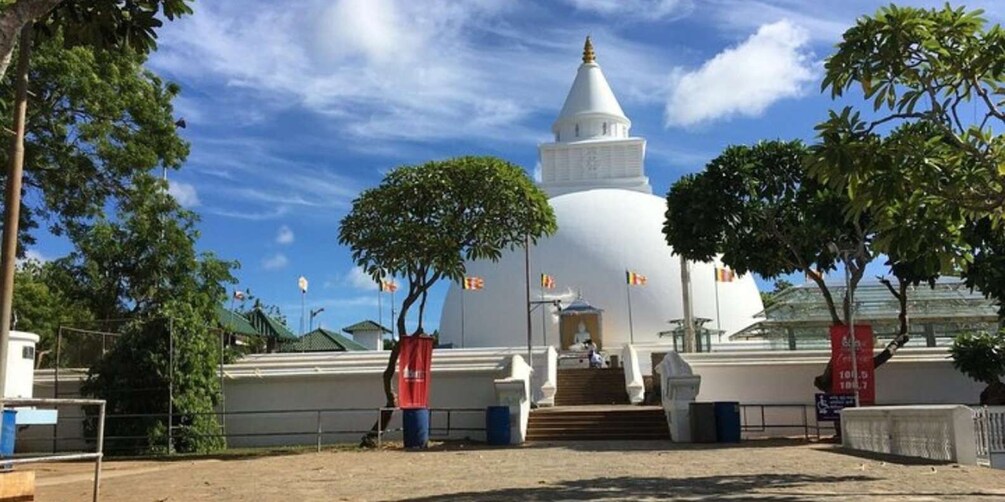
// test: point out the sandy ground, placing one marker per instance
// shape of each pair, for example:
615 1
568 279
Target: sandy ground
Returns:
770 470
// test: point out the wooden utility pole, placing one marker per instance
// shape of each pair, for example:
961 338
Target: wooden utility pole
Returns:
12 199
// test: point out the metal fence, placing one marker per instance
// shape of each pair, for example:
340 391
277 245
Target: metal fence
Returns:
98 440
760 418
298 427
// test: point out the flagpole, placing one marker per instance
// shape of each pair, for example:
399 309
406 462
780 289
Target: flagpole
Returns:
303 303
463 294
631 325
380 308
544 325
718 322
526 265
393 321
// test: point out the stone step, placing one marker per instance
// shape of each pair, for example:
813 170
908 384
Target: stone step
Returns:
616 423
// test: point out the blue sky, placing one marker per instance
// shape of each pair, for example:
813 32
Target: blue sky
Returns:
294 107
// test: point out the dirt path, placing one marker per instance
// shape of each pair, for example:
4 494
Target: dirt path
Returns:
772 470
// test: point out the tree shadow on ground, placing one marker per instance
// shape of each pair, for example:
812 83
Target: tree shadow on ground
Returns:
763 487
612 445
884 457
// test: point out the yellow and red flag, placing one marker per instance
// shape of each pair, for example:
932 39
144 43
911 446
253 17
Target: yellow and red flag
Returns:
635 279
547 281
723 274
388 286
474 283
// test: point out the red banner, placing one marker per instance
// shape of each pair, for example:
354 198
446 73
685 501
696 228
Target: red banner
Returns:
842 374
414 361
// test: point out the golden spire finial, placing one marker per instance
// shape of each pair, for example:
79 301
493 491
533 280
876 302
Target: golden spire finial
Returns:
588 55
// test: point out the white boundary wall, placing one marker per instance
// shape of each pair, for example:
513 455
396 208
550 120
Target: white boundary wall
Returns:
461 378
936 432
465 378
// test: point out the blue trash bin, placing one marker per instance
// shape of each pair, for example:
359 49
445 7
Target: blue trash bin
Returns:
727 421
416 424
497 431
8 431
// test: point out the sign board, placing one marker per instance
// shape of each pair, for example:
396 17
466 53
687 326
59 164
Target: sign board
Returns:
829 406
842 374
414 362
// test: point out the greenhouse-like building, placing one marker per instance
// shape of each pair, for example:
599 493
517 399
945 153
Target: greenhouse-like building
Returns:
798 318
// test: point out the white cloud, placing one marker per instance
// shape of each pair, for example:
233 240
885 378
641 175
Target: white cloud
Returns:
393 69
640 9
359 279
32 255
184 193
285 235
771 65
275 262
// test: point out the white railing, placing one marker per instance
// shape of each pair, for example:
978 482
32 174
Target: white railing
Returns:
680 388
989 435
514 391
936 432
634 385
550 385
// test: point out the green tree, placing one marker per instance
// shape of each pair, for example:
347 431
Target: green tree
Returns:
142 265
981 356
97 120
925 161
42 306
761 209
423 222
104 23
768 297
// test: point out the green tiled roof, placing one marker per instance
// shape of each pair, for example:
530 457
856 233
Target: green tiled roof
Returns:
269 327
234 323
366 325
321 340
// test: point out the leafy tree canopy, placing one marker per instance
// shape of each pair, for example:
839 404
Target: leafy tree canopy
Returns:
758 208
142 265
935 80
97 120
106 24
423 222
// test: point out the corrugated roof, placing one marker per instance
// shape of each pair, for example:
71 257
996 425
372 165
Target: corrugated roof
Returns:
235 323
269 327
366 325
322 340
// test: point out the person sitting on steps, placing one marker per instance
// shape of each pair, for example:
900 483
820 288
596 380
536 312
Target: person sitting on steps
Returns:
596 360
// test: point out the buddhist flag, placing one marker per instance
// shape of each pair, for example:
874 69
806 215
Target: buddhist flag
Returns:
547 281
474 283
635 279
302 284
723 274
388 286
239 296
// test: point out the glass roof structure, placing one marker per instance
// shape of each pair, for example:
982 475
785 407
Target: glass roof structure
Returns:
799 315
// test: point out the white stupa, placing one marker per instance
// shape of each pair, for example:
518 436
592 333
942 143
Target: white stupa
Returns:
609 222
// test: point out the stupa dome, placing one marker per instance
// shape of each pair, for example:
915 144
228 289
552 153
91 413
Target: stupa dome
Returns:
601 234
608 223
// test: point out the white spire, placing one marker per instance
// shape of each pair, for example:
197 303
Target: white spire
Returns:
590 97
593 146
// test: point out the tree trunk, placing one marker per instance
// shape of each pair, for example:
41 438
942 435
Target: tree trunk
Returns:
369 440
12 19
